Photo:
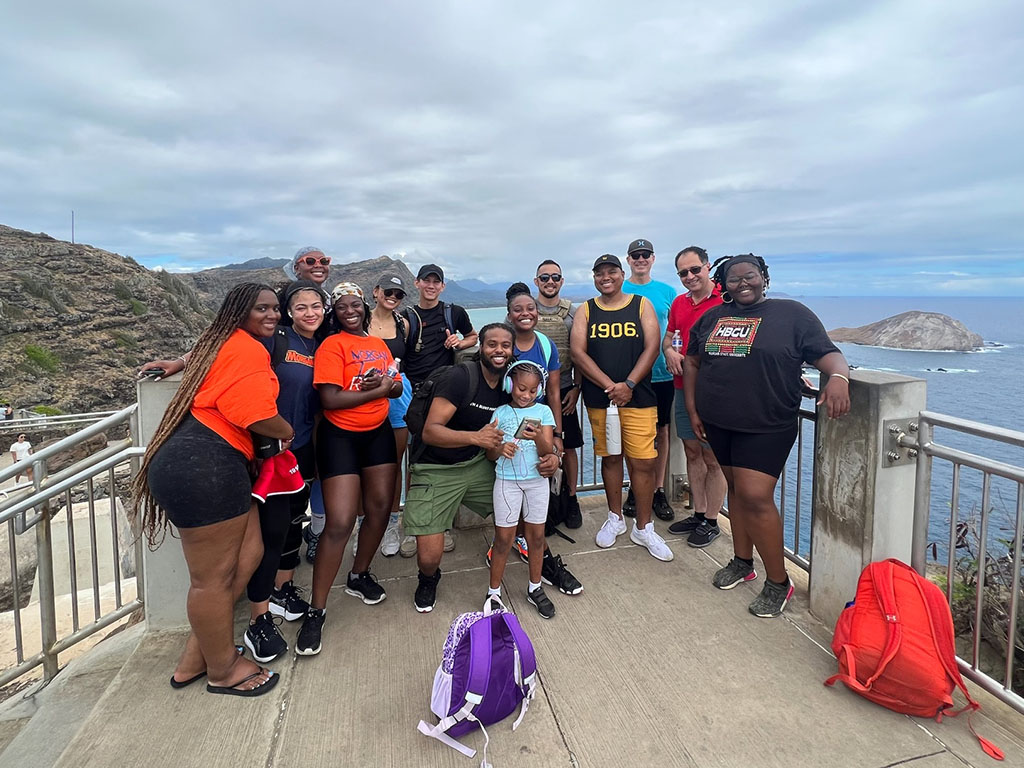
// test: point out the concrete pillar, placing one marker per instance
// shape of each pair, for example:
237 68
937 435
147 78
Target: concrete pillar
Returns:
863 508
166 575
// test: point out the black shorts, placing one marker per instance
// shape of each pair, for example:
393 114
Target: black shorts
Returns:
571 429
665 391
343 452
198 478
761 451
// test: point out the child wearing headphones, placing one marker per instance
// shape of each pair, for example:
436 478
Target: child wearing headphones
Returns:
519 490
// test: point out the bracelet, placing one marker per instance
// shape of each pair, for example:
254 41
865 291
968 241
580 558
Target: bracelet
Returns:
839 376
184 362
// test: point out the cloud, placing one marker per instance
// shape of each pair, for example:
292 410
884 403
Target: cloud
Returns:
861 143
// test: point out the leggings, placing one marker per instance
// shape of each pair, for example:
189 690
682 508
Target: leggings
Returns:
281 528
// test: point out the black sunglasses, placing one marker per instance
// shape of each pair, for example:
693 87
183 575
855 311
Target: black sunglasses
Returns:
641 255
555 278
394 293
691 270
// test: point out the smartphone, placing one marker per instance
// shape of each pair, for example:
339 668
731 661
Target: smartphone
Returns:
526 424
151 373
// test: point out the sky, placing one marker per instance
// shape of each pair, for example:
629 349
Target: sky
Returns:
861 148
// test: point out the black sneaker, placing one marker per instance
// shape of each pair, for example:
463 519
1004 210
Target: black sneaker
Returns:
545 607
704 534
733 573
365 587
573 515
308 641
426 592
287 602
686 526
554 572
772 600
311 539
264 640
629 508
662 509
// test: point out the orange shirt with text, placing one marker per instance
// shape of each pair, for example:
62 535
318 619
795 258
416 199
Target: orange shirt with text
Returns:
342 359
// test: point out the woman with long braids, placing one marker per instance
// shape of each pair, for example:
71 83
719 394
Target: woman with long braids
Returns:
355 454
195 476
743 388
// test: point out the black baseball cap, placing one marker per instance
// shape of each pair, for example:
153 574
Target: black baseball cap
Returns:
607 259
639 245
430 269
392 280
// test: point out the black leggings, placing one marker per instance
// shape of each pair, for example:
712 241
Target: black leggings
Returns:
281 529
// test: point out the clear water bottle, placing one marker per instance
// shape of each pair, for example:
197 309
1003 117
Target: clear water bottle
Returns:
613 431
677 342
394 368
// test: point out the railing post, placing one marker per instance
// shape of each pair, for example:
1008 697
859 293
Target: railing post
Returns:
47 601
922 497
863 509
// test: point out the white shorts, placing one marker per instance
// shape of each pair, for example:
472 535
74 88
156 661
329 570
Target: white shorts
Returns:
514 496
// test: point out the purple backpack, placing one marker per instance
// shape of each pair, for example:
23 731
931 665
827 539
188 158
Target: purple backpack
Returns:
487 668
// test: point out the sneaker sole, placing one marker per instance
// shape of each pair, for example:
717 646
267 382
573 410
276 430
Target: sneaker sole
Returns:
425 609
530 601
363 597
405 554
785 602
750 577
277 610
681 533
668 559
308 651
563 591
704 544
252 650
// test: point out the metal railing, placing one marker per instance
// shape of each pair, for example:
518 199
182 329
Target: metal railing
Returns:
995 619
38 506
26 421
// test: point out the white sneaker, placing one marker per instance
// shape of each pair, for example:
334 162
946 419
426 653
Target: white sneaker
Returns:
648 537
614 526
449 541
391 542
408 547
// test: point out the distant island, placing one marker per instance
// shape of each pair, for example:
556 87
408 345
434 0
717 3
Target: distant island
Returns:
925 331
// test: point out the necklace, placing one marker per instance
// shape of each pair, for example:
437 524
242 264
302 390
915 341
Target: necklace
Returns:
307 347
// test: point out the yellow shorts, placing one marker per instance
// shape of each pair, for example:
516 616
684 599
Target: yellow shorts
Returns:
639 428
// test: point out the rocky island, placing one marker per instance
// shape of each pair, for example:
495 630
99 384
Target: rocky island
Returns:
913 330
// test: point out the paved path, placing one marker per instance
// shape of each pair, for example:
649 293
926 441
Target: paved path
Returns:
649 666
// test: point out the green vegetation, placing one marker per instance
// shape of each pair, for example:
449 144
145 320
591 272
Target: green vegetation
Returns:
124 340
41 290
42 358
138 308
122 291
46 410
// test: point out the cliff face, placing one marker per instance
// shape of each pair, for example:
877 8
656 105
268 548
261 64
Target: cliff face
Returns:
913 330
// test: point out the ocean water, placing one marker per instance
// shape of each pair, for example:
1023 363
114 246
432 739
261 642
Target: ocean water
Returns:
985 386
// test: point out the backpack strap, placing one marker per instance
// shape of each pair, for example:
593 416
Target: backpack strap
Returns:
280 346
526 664
545 347
448 322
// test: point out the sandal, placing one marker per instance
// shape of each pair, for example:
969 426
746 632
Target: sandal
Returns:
259 690
179 684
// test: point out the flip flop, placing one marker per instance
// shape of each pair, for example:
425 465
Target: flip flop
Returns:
259 690
179 684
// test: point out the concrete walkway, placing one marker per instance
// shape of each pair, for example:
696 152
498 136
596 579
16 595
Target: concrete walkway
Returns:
650 665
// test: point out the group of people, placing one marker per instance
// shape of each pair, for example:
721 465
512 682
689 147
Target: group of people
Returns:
299 398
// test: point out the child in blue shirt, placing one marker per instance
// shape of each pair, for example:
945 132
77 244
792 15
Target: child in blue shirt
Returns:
519 490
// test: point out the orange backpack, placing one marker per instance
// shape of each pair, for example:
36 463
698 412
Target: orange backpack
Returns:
895 647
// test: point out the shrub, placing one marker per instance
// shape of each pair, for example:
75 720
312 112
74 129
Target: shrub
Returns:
122 291
138 308
42 358
46 410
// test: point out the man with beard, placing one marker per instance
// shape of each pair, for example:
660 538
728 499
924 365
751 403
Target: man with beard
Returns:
452 468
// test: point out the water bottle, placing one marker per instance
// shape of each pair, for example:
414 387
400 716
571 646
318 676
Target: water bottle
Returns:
556 482
394 368
613 431
677 342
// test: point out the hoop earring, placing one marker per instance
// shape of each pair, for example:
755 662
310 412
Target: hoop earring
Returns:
726 297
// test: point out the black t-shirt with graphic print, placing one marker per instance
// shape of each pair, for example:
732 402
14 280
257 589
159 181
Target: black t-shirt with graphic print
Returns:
750 363
454 387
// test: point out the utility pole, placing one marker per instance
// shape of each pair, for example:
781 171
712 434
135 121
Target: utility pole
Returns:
72 226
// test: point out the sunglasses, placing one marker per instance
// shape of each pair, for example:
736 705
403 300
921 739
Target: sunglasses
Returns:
394 293
311 261
555 278
641 255
691 271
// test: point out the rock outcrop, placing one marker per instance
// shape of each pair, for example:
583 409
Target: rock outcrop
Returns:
913 330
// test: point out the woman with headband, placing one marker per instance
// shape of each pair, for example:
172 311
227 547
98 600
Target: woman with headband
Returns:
742 374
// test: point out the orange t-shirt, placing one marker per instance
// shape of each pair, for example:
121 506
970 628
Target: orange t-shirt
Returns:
341 359
239 389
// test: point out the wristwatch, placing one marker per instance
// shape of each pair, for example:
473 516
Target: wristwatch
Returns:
631 384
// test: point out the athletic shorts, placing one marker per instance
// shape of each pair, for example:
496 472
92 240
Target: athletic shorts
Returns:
198 478
397 406
665 392
761 451
437 490
343 452
683 427
527 499
571 428
639 428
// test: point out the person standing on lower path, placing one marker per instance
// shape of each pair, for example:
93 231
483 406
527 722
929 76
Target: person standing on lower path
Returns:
21 449
640 257
436 332
707 483
614 345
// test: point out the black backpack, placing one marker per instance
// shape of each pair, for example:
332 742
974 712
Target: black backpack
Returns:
423 396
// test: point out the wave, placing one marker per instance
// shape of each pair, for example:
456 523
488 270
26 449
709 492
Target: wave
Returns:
949 370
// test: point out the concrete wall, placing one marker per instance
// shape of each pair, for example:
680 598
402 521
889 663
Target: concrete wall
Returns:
863 510
166 573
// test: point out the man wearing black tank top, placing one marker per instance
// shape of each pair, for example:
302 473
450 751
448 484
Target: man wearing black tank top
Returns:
615 341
